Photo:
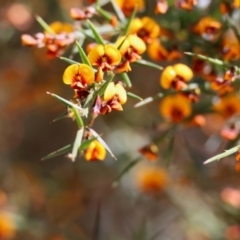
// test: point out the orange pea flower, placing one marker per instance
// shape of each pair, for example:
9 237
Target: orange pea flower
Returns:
127 6
78 76
204 69
113 99
223 85
176 76
95 151
105 58
209 28
228 106
79 14
56 42
230 46
158 52
186 4
230 132
146 28
132 47
152 180
150 152
175 108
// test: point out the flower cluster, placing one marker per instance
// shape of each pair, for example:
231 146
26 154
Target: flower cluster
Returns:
100 80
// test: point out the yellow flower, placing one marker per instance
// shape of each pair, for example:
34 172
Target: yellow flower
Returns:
7 226
104 57
236 3
152 180
114 97
59 27
146 28
176 76
78 76
228 106
116 92
175 108
127 6
131 47
157 51
95 151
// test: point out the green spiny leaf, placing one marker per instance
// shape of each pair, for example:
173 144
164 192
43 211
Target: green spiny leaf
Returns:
222 155
77 144
96 135
78 118
83 56
58 152
104 86
44 25
125 170
126 79
97 36
132 95
86 143
148 100
65 102
61 116
68 60
149 64
118 11
126 29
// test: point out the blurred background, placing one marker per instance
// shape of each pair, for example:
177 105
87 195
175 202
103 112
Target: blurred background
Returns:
58 199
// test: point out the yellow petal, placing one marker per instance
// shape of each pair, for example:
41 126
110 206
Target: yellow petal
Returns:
109 92
135 25
137 43
156 51
95 54
167 77
183 71
69 73
59 27
151 26
113 54
121 92
124 45
86 73
95 151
